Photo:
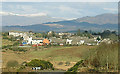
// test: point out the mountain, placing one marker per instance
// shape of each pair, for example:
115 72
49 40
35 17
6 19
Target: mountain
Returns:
107 18
96 23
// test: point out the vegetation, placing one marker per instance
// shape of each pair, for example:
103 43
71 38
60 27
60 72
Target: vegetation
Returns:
18 49
108 34
103 57
67 63
75 67
40 63
12 63
60 63
37 34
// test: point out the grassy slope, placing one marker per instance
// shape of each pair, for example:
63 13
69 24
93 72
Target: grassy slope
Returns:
53 54
6 42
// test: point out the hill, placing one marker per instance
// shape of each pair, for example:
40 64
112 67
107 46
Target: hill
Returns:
96 23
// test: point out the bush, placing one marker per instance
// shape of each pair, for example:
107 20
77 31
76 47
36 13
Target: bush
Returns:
7 46
67 63
18 49
75 67
95 62
60 63
40 63
104 54
12 63
3 51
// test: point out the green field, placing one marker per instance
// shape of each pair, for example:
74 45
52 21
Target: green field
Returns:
54 54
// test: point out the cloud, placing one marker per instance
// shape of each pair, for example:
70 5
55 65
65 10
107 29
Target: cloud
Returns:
64 18
69 10
21 8
27 15
111 9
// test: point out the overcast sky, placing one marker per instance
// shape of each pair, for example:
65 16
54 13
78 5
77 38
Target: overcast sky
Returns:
61 9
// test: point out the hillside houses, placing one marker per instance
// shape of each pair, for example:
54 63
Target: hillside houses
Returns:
16 34
57 41
35 40
75 40
71 39
24 35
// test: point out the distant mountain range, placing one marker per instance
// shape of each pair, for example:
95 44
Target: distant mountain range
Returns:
95 23
10 20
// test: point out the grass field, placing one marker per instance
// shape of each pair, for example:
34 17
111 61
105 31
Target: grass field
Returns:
6 42
54 54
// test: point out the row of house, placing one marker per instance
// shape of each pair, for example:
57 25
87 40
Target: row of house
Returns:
75 40
39 41
28 38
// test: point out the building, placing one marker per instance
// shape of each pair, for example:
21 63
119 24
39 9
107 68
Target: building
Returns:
16 34
68 41
35 41
46 41
57 41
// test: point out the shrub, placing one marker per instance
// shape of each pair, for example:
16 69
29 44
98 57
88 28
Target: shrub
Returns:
60 63
104 54
40 63
18 49
24 64
95 62
3 51
67 63
12 63
75 67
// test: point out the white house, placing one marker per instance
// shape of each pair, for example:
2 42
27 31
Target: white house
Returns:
34 41
25 37
16 33
69 41
82 41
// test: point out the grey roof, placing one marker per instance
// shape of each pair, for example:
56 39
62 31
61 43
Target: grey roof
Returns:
74 39
57 40
37 39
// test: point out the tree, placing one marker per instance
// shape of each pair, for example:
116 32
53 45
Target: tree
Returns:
85 31
44 35
98 38
105 34
53 34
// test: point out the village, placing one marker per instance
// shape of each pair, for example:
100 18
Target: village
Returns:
61 50
62 39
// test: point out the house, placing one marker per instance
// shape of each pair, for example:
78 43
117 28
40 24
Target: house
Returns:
50 32
16 33
68 41
65 34
46 41
25 37
82 41
35 41
78 40
96 36
107 40
57 41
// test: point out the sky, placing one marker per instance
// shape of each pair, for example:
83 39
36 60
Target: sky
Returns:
59 9
59 0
